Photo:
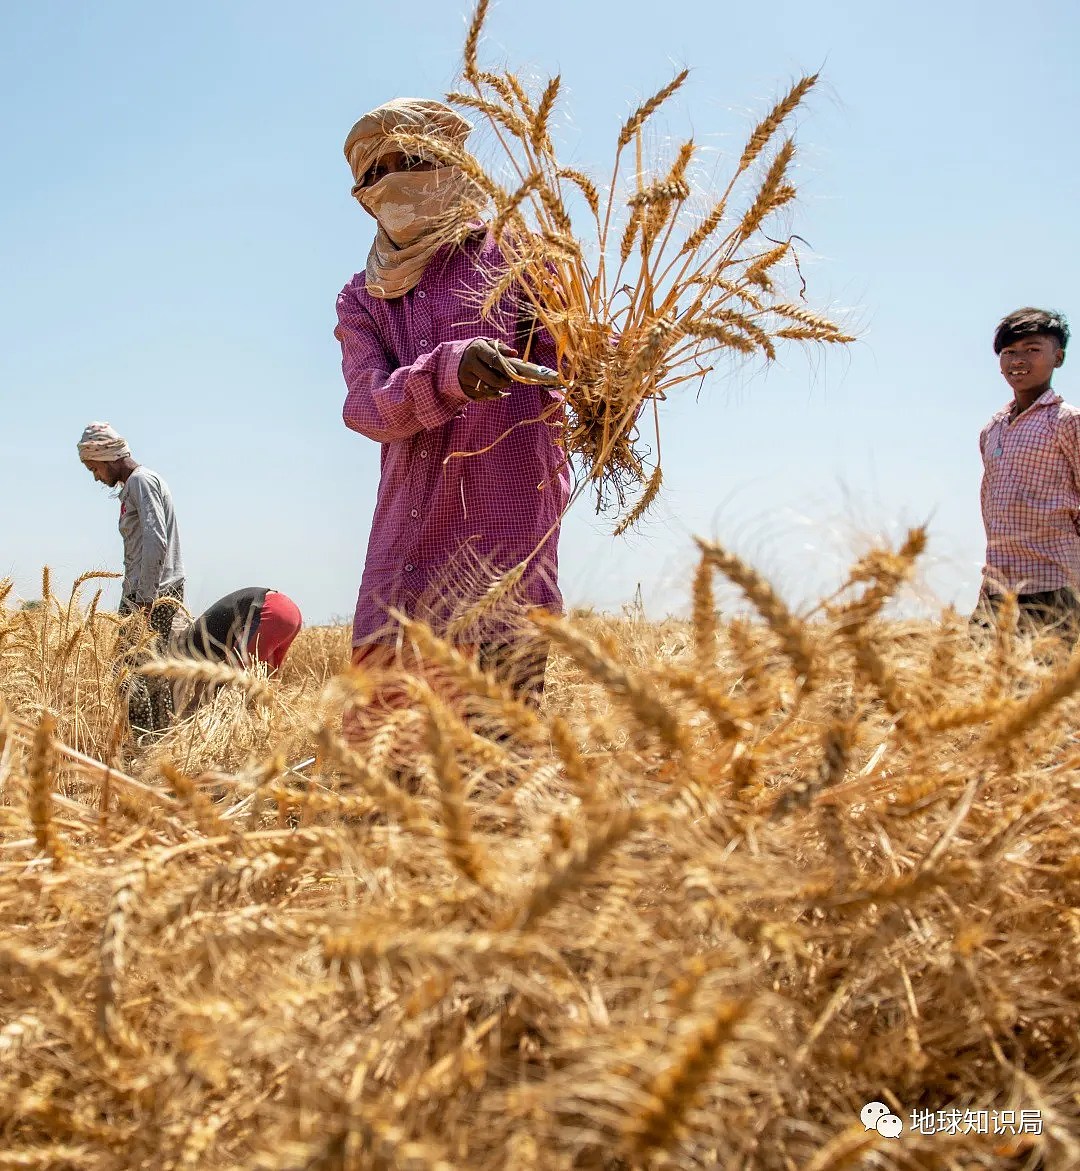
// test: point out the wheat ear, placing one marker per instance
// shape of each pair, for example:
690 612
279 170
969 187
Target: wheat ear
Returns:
578 772
845 1149
773 120
19 1035
541 138
790 630
464 851
641 698
520 718
652 490
809 334
772 194
206 817
388 795
42 770
575 866
585 185
725 715
501 114
472 39
675 1089
639 117
210 673
113 958
835 751
704 619
1019 717
496 592
39 967
229 882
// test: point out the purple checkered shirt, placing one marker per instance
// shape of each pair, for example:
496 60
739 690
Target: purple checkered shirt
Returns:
440 519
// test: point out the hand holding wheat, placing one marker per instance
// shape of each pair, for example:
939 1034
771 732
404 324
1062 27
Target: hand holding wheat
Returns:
482 373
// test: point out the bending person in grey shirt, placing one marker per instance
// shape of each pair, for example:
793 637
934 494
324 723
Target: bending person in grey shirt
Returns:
153 568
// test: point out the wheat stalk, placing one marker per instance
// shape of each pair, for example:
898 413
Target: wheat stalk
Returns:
42 779
640 315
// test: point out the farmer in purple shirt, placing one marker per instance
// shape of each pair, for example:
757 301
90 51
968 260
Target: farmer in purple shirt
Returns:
473 479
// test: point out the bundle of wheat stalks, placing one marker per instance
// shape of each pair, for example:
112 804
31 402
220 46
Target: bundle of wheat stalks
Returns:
738 879
666 277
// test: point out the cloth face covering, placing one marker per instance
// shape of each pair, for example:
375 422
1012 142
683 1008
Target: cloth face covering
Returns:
417 211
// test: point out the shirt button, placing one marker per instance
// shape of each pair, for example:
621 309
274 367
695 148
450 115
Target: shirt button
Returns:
420 293
424 343
408 569
414 513
423 455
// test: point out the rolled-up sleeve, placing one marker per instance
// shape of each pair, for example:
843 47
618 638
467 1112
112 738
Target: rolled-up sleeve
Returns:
387 402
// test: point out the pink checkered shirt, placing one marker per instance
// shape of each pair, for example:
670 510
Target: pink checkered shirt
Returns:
443 524
1031 497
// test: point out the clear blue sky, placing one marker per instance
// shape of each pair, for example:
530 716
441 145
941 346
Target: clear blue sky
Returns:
175 223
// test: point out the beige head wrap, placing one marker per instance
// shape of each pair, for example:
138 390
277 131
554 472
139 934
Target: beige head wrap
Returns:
417 211
101 442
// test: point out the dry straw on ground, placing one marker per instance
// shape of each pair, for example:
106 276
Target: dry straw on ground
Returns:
646 277
737 879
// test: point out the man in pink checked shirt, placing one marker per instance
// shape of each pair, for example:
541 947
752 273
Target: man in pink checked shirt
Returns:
473 480
1031 481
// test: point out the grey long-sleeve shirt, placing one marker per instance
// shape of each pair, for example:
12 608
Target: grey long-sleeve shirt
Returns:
151 540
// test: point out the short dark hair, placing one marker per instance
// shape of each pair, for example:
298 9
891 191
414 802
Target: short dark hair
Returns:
1031 323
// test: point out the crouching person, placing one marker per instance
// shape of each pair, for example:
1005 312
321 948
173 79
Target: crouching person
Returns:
252 625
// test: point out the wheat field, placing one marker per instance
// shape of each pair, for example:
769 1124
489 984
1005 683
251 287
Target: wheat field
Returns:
742 875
